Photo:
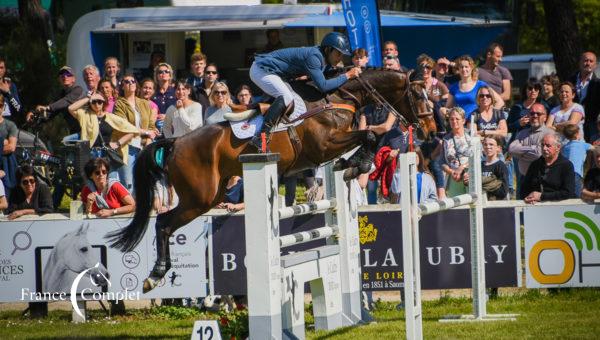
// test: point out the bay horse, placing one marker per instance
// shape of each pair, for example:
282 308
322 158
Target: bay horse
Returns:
200 163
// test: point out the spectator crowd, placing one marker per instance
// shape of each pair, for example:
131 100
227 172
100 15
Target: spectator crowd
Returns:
537 146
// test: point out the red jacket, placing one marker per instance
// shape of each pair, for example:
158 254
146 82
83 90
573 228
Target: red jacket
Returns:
384 170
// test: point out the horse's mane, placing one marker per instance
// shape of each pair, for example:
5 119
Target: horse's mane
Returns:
375 75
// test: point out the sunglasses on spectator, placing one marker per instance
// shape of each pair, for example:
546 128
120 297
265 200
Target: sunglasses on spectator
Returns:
97 102
210 72
536 113
100 172
485 95
221 92
30 181
164 71
129 81
426 66
65 74
532 89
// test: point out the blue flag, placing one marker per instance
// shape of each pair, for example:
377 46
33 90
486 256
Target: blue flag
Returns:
362 23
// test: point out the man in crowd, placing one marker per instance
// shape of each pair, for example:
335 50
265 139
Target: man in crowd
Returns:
588 92
8 89
550 177
526 146
91 77
498 77
196 79
70 93
390 51
273 41
391 63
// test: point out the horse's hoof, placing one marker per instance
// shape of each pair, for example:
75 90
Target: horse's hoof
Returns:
149 284
351 174
340 164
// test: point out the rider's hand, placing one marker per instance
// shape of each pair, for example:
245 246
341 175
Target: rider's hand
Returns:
353 72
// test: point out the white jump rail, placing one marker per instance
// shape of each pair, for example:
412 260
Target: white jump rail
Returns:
412 213
276 282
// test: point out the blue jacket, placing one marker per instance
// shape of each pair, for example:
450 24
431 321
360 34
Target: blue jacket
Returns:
290 63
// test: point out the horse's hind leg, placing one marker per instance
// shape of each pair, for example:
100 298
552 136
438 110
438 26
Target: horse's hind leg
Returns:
166 224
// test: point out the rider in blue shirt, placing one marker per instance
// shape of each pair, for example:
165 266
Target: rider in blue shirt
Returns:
271 71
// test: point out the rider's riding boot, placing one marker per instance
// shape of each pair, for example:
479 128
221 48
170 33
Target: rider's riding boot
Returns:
270 119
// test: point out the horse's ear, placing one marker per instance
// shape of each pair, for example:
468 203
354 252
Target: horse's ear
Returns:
80 230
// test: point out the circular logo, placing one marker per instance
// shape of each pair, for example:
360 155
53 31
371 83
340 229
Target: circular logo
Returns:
131 259
129 281
367 25
364 12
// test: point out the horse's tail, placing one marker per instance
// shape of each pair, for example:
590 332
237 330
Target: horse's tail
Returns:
146 173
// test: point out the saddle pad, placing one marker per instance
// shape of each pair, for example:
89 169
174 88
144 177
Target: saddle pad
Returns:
247 128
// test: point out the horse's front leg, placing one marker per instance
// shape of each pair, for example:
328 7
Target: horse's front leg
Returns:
363 157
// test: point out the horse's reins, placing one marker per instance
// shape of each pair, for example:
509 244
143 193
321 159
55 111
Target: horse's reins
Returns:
377 97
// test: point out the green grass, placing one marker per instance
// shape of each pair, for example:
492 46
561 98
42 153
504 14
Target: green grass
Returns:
565 315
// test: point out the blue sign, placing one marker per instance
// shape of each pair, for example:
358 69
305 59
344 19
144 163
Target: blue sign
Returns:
362 23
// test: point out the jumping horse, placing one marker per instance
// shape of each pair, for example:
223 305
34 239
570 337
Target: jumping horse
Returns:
200 163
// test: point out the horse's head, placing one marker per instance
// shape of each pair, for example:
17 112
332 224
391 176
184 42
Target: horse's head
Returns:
76 254
408 99
421 109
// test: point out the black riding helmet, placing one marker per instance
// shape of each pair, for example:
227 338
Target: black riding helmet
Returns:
338 41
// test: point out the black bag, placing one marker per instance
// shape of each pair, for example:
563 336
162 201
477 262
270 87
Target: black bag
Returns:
114 159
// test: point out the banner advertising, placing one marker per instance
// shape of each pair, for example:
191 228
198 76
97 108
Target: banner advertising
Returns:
562 246
48 260
444 242
362 24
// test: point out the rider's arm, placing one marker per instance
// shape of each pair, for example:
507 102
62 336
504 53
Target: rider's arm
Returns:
315 71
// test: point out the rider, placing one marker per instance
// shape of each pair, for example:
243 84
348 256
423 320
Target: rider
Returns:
271 71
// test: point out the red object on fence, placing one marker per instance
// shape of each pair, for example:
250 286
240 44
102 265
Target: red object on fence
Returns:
411 146
263 139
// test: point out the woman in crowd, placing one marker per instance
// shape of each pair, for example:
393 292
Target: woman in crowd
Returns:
107 89
102 129
437 92
426 188
185 116
456 151
104 197
138 113
518 118
464 93
220 99
112 67
165 94
550 84
494 174
146 91
489 121
568 112
30 197
244 95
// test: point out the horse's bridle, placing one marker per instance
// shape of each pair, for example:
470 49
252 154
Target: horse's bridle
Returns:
379 99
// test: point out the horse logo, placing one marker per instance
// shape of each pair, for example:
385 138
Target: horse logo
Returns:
98 279
71 256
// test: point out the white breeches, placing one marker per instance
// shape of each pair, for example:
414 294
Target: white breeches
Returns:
271 84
